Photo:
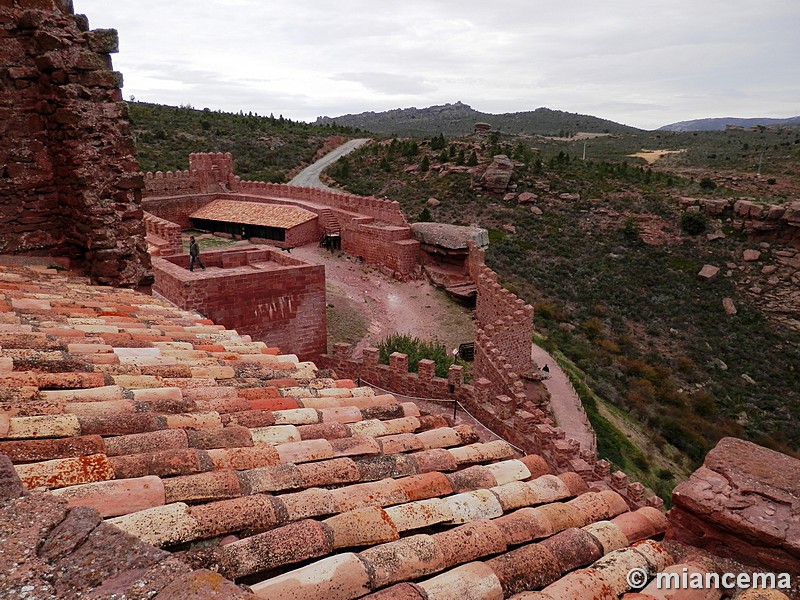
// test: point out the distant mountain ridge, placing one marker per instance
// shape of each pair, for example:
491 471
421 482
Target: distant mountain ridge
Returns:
459 119
718 124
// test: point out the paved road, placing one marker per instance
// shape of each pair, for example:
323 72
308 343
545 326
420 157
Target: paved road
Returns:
564 402
309 177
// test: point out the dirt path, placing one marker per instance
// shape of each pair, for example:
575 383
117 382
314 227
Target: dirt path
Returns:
564 402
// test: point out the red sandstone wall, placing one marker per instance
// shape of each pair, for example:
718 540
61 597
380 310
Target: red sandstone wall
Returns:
69 182
163 234
177 209
505 323
309 232
393 247
282 304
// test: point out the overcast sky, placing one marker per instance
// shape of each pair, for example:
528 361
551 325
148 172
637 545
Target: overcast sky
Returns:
642 63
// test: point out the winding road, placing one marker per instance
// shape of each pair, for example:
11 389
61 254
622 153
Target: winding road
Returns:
309 177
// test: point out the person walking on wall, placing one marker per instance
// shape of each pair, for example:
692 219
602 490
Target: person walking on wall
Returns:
194 254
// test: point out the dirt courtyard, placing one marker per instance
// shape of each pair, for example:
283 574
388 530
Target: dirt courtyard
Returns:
364 305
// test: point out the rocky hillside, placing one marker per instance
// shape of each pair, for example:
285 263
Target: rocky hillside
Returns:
459 119
720 124
610 252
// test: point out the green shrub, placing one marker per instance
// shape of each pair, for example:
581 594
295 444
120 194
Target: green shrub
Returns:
707 184
694 223
416 350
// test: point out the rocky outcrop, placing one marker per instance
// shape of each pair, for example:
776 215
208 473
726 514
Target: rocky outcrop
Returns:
498 175
69 182
450 237
744 504
772 221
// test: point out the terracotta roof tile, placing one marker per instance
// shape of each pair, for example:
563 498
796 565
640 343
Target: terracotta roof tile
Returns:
64 472
219 484
426 485
354 446
608 534
244 458
385 492
329 472
335 577
305 451
362 527
117 497
49 449
405 559
474 581
529 567
162 525
313 502
254 213
45 426
141 443
417 515
254 513
524 525
274 435
165 463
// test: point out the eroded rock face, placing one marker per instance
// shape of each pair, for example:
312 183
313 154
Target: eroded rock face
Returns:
743 503
69 182
498 174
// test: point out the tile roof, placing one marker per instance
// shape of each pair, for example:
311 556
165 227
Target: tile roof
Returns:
146 452
254 213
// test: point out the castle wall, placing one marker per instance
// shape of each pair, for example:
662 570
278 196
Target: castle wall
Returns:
529 430
259 292
373 229
163 235
69 181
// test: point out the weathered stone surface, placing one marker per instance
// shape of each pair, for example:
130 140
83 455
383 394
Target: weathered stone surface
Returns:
10 484
106 552
498 174
742 503
451 237
69 191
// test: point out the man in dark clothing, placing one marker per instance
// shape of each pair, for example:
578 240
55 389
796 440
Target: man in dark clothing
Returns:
194 254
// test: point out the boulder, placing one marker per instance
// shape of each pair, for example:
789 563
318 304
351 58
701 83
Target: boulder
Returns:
526 197
729 306
708 272
751 255
498 174
451 237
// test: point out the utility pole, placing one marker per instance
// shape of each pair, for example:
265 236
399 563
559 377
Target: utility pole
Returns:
760 160
584 150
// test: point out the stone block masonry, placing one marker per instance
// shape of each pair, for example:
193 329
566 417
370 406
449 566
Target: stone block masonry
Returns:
69 181
263 293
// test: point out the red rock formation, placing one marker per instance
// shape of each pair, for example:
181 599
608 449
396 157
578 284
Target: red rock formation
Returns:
69 186
742 504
